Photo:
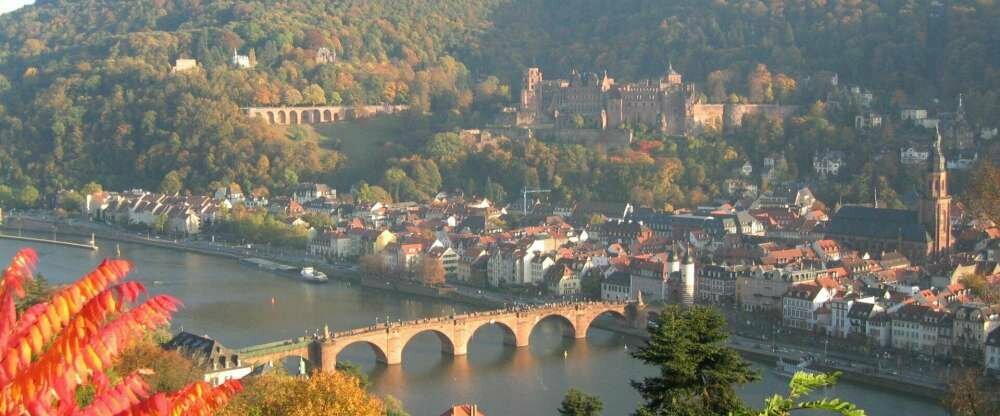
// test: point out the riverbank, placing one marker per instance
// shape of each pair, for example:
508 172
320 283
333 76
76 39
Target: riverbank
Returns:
762 353
35 225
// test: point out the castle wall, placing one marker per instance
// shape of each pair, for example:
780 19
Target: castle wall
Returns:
735 113
706 117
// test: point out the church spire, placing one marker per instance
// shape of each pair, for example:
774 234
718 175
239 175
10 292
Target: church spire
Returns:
937 162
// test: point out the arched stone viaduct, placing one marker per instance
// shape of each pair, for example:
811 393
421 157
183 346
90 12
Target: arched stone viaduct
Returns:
388 341
319 114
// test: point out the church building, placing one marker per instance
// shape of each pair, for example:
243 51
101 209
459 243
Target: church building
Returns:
918 234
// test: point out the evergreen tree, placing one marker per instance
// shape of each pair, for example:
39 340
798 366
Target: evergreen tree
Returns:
578 403
697 371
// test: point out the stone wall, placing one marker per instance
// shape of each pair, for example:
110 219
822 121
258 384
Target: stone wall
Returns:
734 113
705 117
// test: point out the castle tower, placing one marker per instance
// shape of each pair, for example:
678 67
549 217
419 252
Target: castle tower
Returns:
673 77
530 83
673 263
688 282
935 208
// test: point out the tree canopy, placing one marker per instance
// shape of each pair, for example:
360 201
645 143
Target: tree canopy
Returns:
697 371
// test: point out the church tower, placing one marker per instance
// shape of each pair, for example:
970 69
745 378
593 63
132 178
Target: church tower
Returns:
935 209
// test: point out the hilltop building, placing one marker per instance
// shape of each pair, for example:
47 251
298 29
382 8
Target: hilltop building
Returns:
326 56
184 65
244 61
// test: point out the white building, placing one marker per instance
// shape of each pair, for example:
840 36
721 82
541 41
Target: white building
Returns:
616 287
561 280
992 354
500 270
828 163
912 156
649 277
867 121
242 61
919 328
800 303
913 114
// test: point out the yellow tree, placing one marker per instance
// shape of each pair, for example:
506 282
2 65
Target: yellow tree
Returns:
329 394
70 341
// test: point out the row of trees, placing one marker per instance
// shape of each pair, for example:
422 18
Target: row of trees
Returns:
257 226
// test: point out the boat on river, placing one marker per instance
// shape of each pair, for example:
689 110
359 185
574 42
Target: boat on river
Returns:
308 274
789 368
312 275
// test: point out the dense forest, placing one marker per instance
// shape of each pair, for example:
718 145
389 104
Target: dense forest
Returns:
87 92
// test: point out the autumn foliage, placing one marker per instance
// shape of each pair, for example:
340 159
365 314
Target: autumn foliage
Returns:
329 394
72 340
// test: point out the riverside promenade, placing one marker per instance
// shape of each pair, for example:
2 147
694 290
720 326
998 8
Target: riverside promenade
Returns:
90 245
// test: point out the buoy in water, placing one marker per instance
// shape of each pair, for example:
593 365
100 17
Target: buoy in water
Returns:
565 353
272 300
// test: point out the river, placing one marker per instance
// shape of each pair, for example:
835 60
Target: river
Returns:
233 304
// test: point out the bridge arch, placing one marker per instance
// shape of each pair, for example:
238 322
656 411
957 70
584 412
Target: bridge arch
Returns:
327 115
306 117
510 333
584 325
569 325
380 352
294 117
281 117
447 343
270 117
316 117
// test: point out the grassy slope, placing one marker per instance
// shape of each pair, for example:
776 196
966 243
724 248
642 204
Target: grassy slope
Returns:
363 144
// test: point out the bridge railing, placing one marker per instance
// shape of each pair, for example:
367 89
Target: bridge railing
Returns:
276 346
518 309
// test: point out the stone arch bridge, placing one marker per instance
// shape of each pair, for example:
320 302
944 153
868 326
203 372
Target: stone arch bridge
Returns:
319 114
389 340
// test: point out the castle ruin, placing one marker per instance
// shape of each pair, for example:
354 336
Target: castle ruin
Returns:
667 103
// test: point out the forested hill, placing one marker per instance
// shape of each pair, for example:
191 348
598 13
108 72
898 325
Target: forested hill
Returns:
921 48
86 91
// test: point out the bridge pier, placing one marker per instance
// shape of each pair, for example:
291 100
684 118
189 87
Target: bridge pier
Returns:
523 335
328 356
393 348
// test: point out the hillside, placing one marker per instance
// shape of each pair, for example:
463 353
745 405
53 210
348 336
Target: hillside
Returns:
87 93
909 50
